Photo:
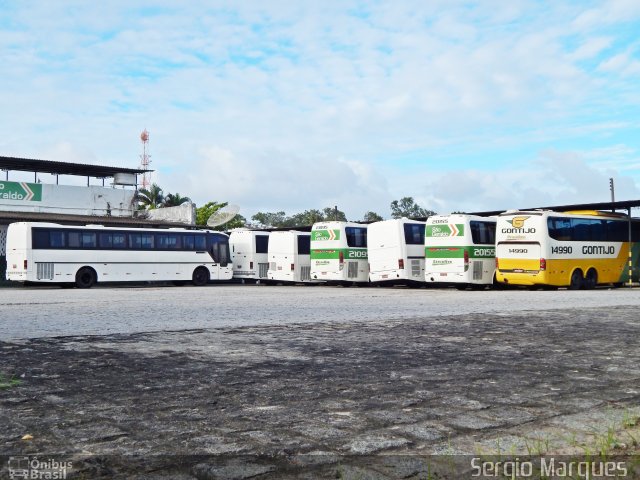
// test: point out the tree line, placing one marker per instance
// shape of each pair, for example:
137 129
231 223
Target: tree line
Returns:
154 197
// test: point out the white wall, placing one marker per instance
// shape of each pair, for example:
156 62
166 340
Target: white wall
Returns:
92 200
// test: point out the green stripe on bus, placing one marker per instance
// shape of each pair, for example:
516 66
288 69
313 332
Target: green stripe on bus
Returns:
458 252
334 254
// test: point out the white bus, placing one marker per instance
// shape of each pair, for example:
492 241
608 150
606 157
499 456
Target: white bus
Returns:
396 251
249 254
576 249
289 259
85 255
339 252
460 250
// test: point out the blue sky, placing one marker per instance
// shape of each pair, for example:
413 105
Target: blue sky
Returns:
287 105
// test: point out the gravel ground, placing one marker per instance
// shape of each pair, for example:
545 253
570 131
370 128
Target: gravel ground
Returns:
238 382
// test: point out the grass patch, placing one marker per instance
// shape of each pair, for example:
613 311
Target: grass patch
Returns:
8 382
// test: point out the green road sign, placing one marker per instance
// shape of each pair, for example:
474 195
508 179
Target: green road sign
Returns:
26 192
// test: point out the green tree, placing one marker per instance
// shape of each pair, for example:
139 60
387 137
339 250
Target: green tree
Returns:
372 217
407 207
334 214
151 198
174 200
270 219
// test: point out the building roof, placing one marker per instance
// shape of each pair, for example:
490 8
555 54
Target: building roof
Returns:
65 219
63 168
621 205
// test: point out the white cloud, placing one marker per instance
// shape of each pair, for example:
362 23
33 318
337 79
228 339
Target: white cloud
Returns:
267 104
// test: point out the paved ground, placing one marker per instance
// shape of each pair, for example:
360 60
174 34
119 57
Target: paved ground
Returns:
280 392
40 312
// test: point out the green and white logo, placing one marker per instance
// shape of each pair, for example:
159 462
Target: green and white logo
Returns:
325 235
26 192
448 230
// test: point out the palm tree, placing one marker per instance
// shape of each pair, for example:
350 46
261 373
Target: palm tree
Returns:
174 200
151 198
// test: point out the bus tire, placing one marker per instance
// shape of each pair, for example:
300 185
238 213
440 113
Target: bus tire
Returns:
591 280
200 276
86 277
577 280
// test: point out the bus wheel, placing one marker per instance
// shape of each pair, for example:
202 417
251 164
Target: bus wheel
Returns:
86 277
591 280
200 276
577 281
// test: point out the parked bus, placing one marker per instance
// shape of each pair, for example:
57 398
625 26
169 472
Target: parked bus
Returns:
339 252
460 250
578 249
289 259
396 251
249 253
85 255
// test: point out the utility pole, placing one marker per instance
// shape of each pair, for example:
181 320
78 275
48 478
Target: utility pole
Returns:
613 193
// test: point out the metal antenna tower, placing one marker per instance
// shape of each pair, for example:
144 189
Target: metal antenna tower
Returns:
145 159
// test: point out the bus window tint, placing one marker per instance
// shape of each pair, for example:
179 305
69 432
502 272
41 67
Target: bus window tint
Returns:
588 229
119 240
57 239
81 239
304 244
40 238
356 237
219 248
262 243
134 241
169 241
414 233
188 242
88 240
200 242
105 240
483 233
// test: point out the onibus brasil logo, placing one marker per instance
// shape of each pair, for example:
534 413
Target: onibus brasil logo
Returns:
35 468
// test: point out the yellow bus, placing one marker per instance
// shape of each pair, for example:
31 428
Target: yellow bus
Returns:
575 249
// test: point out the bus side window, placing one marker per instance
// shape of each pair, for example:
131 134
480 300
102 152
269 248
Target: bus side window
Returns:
559 228
147 241
135 242
119 240
188 242
200 242
40 238
57 239
106 240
